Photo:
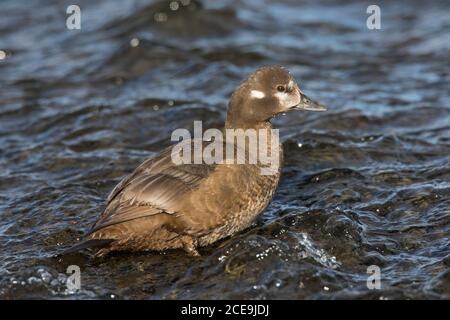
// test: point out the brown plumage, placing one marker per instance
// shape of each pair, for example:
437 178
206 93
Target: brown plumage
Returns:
162 205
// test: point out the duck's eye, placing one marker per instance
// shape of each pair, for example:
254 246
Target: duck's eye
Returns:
281 88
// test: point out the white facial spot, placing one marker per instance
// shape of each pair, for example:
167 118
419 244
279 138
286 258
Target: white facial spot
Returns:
290 85
257 94
289 97
282 96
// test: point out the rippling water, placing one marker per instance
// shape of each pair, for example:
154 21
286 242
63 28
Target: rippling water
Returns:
367 183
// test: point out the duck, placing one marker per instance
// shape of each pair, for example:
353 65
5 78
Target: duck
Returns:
165 205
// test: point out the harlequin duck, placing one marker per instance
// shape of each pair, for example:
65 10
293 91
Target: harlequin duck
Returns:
163 205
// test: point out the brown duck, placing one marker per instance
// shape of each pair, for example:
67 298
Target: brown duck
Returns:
163 205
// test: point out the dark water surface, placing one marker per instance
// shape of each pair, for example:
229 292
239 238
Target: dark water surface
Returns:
367 183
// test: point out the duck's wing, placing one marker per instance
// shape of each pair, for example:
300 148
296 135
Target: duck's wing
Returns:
153 188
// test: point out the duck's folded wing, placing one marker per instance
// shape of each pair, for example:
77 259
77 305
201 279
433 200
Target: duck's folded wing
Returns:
153 188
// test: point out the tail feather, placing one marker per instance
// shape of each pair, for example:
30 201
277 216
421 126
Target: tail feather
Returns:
88 244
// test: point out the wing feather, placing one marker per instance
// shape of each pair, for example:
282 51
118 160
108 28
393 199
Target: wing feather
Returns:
152 189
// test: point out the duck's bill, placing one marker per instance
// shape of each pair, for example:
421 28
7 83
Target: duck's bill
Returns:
310 105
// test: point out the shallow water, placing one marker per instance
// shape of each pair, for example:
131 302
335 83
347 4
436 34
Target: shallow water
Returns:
367 183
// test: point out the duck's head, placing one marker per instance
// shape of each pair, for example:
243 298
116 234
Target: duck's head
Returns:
266 93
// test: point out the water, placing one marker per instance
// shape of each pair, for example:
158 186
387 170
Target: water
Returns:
367 183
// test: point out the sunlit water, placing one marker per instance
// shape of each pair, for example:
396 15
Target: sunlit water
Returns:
367 183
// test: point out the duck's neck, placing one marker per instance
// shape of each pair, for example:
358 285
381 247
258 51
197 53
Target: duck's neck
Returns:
267 143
